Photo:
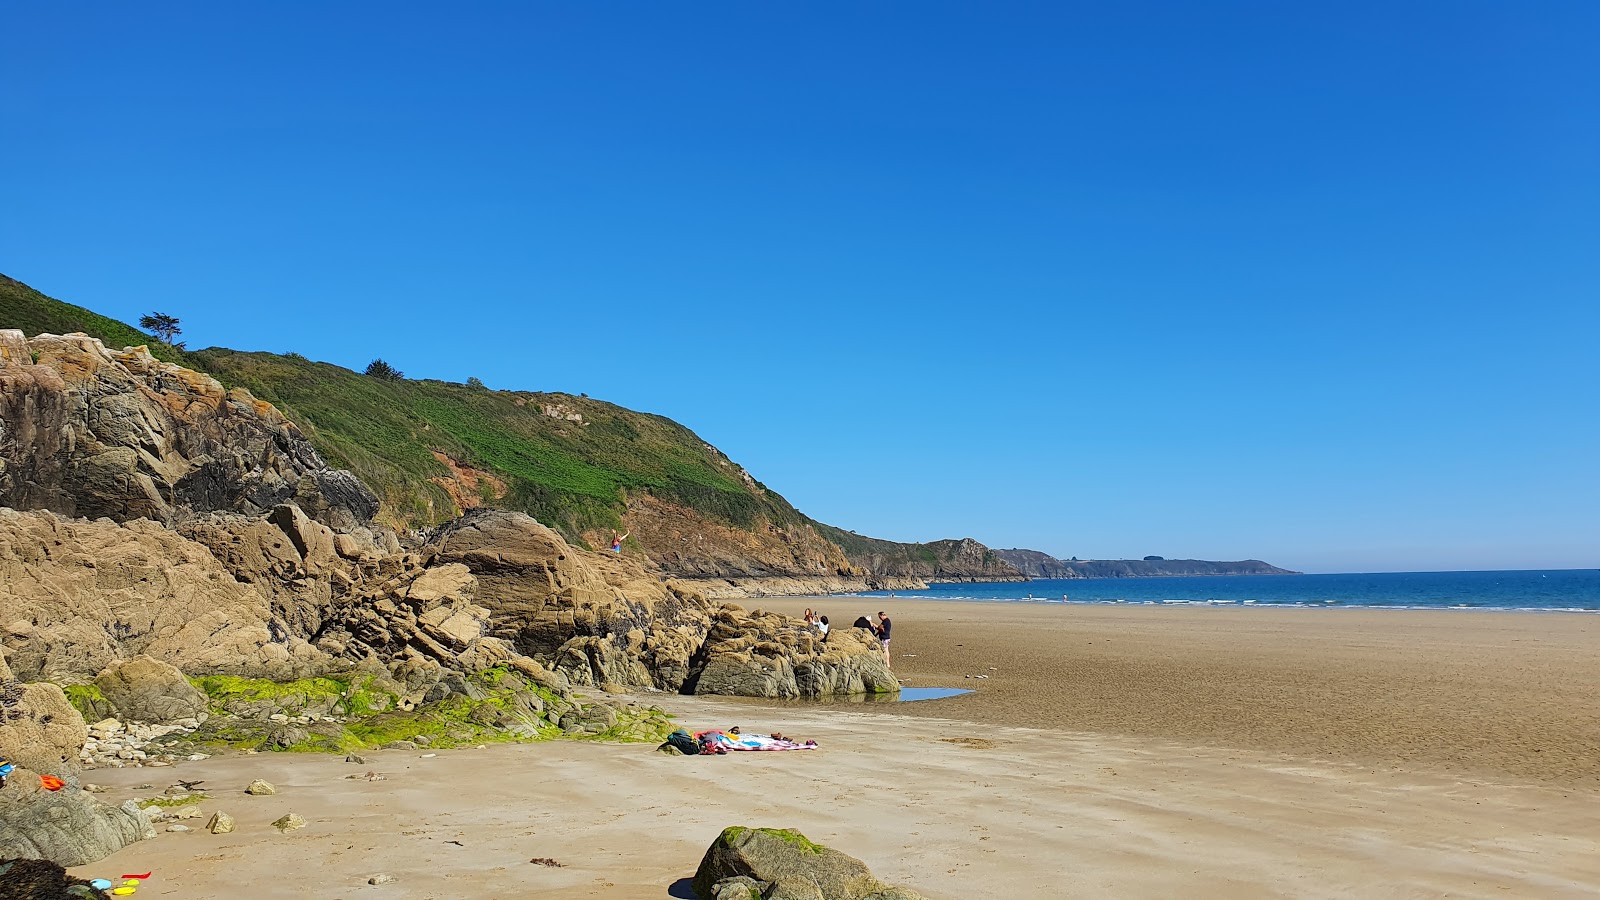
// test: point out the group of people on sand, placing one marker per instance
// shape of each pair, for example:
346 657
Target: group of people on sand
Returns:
880 630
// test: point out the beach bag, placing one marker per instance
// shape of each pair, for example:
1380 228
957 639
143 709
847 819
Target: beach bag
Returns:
684 741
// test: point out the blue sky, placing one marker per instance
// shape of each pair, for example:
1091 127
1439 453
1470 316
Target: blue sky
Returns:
1314 285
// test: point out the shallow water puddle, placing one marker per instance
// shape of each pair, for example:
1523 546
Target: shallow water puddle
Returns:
908 694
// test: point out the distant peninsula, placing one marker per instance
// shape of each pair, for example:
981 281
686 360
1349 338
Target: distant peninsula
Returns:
1037 564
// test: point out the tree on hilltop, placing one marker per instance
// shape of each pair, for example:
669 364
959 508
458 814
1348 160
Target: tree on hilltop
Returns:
162 326
380 369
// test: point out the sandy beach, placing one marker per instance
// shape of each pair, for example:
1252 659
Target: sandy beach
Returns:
1479 694
1196 753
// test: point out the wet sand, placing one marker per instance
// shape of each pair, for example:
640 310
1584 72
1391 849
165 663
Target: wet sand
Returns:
1488 695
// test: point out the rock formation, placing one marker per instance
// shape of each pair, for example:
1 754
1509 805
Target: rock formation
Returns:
148 690
226 546
77 596
91 432
781 864
39 728
69 826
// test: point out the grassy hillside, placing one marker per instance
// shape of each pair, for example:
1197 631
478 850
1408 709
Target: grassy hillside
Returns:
568 461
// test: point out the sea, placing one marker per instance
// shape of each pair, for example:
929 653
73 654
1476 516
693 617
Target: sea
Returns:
1557 590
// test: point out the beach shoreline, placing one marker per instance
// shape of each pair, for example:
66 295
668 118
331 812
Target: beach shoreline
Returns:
1098 780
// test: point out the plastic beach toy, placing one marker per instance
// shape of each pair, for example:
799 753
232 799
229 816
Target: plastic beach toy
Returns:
123 891
147 874
100 884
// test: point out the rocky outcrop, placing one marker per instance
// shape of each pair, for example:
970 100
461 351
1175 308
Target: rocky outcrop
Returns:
595 619
150 691
223 545
599 619
763 654
77 596
420 623
39 729
69 826
781 864
94 432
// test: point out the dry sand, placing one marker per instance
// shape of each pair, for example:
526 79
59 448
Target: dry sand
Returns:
1208 802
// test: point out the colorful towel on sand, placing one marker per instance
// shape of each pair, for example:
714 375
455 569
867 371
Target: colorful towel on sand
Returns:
722 741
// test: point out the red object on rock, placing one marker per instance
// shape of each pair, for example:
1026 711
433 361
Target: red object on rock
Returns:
51 783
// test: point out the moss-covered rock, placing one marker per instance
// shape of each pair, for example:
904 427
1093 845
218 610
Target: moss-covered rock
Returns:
497 705
783 862
356 694
89 701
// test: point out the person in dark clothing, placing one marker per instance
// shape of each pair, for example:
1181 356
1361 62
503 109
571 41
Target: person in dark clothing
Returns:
883 635
866 623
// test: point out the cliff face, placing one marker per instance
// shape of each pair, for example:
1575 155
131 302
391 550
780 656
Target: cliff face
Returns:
939 561
1036 564
93 432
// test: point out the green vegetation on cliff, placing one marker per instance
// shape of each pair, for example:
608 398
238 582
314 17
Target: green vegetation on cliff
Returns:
24 308
570 462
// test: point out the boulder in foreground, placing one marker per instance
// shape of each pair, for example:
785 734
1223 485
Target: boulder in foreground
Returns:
780 864
69 827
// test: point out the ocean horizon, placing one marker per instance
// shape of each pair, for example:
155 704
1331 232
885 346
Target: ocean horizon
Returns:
1548 590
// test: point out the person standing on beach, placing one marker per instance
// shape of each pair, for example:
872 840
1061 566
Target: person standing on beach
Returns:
883 635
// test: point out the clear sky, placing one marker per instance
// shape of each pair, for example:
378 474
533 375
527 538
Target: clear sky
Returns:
1314 283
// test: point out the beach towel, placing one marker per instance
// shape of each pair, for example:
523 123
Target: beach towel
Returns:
722 740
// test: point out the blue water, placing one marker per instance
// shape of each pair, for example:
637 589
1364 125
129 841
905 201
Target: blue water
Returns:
908 694
1573 590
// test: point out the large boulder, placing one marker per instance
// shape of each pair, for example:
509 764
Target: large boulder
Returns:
148 690
68 826
774 864
39 728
